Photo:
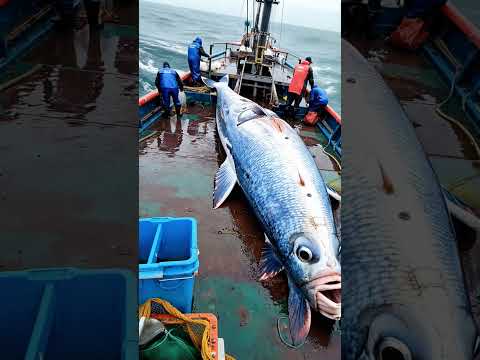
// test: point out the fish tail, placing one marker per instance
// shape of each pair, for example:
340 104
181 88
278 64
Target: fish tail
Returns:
211 83
208 82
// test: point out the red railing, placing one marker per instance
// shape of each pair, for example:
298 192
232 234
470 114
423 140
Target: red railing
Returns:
462 23
334 114
153 94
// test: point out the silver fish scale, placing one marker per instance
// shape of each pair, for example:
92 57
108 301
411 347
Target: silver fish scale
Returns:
266 161
398 245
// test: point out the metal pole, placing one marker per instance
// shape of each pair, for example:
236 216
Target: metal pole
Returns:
210 62
247 16
267 11
259 10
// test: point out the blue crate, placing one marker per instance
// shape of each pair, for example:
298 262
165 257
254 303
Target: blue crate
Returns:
68 314
169 262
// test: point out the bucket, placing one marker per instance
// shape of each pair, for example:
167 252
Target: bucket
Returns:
68 314
168 260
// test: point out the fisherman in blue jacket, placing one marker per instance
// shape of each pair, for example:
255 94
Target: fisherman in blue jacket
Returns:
318 99
422 8
168 83
195 52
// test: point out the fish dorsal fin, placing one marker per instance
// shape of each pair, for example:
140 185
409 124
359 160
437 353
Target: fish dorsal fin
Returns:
299 314
225 181
269 263
250 113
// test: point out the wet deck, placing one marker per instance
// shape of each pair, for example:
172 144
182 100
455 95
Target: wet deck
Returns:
420 90
68 126
177 165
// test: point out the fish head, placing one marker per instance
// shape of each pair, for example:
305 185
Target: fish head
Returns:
405 333
315 269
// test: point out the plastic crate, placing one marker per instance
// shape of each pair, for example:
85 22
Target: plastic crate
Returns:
68 314
169 262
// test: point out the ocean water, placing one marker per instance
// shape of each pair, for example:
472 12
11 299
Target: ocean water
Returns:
166 32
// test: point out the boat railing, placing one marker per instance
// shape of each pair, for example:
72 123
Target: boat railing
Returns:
220 54
288 59
284 60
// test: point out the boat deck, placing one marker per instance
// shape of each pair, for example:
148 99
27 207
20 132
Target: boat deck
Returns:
177 164
68 112
420 90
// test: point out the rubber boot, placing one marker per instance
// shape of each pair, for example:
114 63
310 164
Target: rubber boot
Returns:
178 110
166 112
92 9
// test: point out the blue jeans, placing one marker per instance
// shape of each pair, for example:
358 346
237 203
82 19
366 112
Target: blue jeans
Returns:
166 93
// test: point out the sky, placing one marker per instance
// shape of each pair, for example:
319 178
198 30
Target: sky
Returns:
320 14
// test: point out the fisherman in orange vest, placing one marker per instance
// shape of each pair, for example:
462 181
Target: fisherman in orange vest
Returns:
302 74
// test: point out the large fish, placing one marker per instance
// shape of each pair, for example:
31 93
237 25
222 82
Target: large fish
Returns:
278 175
403 290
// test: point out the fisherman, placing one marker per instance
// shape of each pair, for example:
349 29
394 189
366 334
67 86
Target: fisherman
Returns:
65 13
317 103
195 52
302 75
168 83
422 8
318 98
415 27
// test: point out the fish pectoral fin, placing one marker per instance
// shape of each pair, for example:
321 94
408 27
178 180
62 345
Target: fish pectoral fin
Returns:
299 315
269 263
333 194
251 113
465 222
225 181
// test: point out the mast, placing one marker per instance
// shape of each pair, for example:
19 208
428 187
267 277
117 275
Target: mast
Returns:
259 10
267 11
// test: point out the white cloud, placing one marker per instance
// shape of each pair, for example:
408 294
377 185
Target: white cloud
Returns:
321 14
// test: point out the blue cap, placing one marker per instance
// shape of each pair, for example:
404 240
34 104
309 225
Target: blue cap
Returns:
198 40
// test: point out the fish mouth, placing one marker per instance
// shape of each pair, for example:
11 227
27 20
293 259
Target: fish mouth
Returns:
325 296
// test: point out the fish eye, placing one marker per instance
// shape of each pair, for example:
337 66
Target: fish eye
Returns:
304 254
393 349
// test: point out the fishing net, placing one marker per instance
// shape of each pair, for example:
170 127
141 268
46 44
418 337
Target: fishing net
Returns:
198 89
201 329
174 345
